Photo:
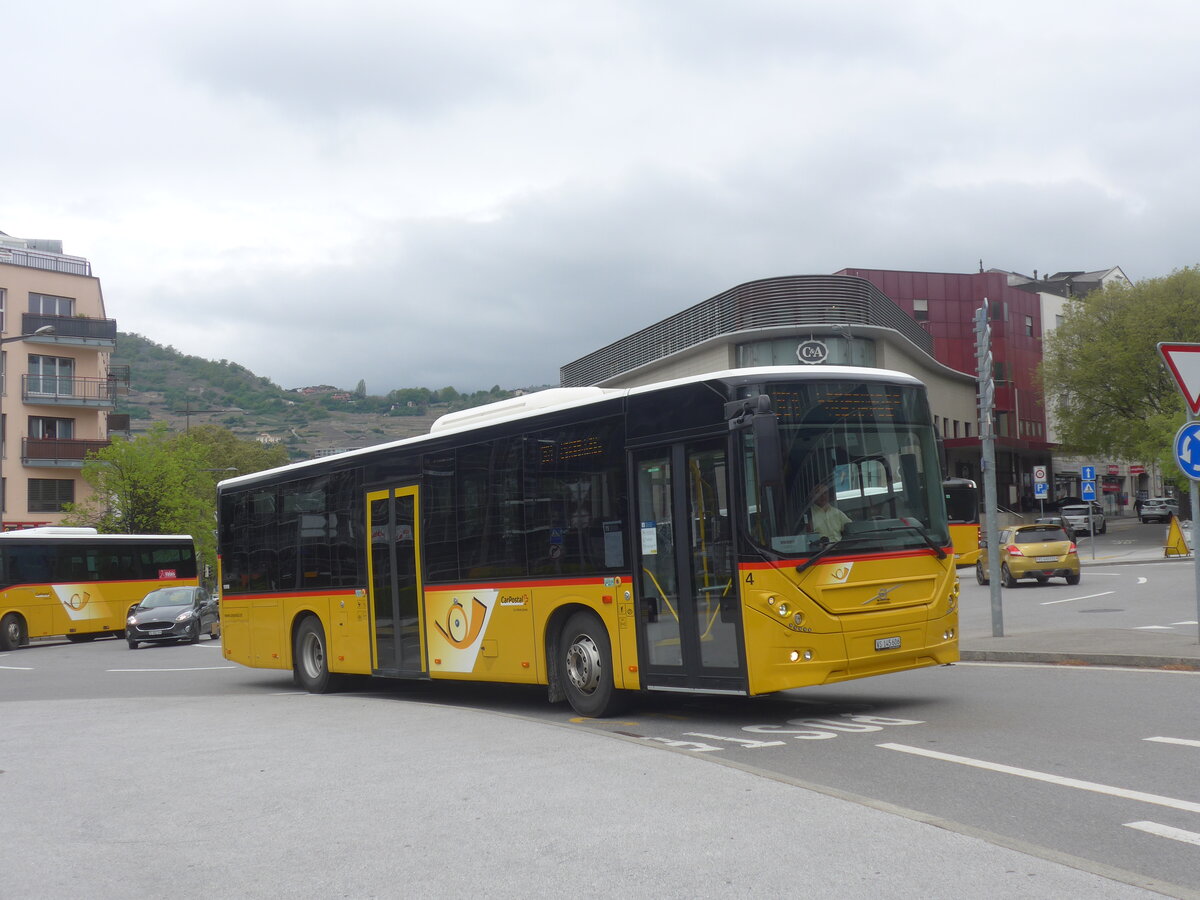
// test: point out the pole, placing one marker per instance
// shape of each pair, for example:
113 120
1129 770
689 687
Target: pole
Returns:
987 434
1194 494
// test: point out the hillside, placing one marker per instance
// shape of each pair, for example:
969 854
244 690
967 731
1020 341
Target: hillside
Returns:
181 390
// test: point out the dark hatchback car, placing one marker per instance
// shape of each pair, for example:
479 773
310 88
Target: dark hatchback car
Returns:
172 614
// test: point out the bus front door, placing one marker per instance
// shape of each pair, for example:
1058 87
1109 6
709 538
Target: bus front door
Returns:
688 612
393 521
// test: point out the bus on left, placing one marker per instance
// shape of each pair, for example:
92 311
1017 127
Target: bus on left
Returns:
80 584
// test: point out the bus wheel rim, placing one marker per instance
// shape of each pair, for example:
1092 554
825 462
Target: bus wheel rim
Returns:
312 655
583 664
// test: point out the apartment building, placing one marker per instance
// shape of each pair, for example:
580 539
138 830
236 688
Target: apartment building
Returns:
57 388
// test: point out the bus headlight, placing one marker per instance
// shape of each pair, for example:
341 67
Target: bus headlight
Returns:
948 634
784 609
796 655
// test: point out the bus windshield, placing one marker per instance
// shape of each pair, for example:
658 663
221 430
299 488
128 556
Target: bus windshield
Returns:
860 472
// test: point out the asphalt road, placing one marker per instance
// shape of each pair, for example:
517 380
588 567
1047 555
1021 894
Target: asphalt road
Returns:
128 768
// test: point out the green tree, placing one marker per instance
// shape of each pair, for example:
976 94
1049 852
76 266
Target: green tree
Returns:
165 483
1104 379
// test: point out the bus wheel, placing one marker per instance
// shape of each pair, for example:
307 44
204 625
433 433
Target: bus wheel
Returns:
585 665
309 661
979 574
12 632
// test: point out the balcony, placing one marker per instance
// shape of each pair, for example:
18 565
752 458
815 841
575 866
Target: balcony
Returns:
50 262
57 453
71 331
68 390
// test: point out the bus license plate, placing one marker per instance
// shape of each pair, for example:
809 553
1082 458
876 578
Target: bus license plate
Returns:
892 643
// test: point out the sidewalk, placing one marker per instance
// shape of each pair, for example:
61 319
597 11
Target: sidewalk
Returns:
1095 646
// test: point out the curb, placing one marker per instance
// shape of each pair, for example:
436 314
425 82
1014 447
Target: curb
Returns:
1174 663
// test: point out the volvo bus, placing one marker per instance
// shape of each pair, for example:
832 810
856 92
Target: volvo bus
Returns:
962 510
81 584
603 542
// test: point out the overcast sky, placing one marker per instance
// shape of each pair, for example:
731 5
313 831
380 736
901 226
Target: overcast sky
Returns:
475 192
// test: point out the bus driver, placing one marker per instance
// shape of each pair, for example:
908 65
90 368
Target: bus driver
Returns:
827 520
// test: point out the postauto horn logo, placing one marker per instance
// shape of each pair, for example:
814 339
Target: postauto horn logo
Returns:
461 629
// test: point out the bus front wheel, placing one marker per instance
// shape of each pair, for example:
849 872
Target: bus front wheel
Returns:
585 666
310 663
12 632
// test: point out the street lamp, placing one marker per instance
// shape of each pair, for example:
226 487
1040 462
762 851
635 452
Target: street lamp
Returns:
45 329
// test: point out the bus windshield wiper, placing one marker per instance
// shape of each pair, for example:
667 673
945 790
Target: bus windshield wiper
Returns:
816 556
925 536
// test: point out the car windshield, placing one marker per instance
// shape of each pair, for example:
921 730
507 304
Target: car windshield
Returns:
167 597
1039 535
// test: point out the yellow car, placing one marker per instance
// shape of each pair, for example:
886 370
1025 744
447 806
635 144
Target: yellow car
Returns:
1041 552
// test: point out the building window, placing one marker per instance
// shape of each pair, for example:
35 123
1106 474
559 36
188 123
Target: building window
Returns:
921 310
966 429
49 494
51 375
3 307
956 427
1058 320
48 427
50 305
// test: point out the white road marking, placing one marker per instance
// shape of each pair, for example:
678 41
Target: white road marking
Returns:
18 668
1175 834
179 669
1094 787
1166 740
1073 599
1152 628
1142 580
1193 622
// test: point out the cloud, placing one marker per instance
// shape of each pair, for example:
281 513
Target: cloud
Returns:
478 193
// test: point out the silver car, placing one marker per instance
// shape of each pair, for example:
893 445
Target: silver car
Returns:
1076 516
1158 509
172 614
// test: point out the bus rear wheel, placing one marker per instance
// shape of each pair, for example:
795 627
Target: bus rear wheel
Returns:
585 667
12 632
310 662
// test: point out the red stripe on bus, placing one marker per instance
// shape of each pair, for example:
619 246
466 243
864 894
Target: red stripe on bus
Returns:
894 554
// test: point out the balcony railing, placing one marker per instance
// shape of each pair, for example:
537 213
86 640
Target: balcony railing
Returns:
67 390
58 452
51 262
70 329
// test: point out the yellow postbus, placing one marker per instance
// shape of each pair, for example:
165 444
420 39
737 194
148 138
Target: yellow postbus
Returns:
80 584
607 541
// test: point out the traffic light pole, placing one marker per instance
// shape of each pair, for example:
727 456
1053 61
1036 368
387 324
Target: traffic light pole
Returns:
987 433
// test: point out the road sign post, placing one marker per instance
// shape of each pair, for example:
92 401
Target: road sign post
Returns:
1183 361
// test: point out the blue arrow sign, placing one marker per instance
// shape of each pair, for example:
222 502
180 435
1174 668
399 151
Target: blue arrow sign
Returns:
1087 473
1187 450
1089 490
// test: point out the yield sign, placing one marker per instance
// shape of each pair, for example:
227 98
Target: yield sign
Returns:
1184 362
